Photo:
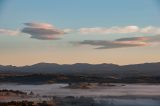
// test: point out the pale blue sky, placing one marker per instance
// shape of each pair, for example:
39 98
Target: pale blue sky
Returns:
81 13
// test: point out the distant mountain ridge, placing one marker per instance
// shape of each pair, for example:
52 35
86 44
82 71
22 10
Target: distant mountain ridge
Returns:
85 68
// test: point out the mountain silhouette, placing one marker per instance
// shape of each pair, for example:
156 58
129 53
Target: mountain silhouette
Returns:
85 68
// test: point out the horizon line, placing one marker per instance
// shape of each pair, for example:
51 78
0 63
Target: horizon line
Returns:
77 63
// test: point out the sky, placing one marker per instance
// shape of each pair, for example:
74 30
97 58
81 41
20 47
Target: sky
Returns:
79 31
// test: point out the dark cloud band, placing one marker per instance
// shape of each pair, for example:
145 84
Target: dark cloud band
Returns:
42 31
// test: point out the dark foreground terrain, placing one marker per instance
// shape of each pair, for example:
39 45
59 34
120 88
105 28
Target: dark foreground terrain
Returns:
86 101
61 78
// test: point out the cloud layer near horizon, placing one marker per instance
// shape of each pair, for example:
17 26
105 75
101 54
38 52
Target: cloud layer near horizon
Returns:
45 31
120 30
122 42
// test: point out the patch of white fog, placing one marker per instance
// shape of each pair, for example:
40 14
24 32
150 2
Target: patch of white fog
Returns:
60 90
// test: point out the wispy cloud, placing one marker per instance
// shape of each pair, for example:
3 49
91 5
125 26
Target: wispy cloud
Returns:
112 30
120 30
9 32
134 39
150 30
